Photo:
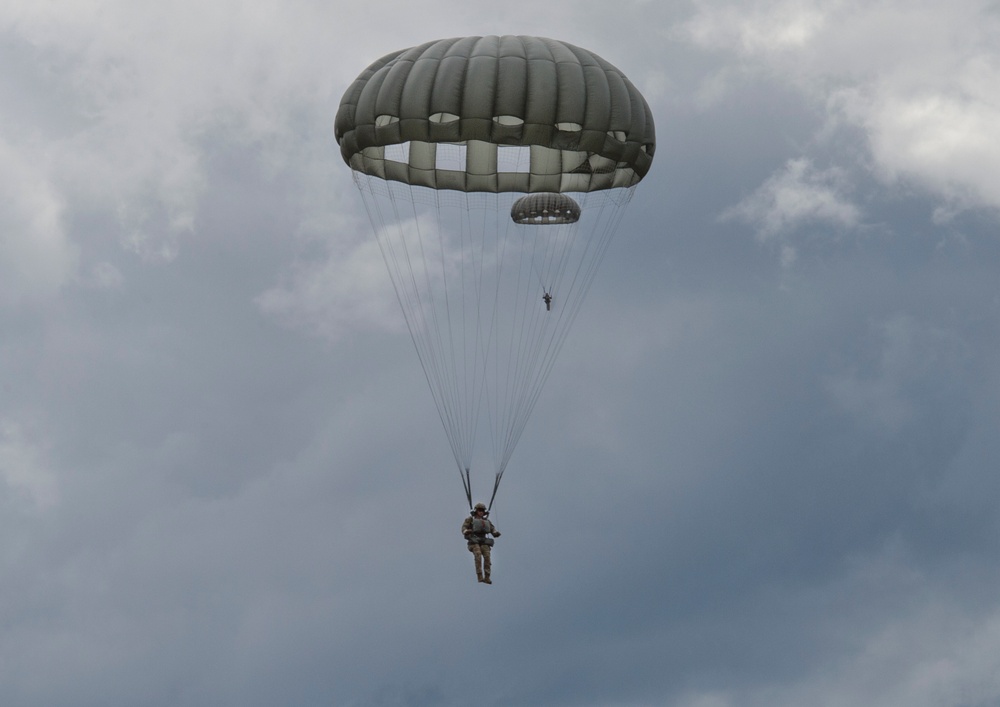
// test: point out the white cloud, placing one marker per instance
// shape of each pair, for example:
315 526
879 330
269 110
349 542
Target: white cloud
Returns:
350 290
920 78
36 257
756 27
796 196
148 84
947 143
105 276
23 466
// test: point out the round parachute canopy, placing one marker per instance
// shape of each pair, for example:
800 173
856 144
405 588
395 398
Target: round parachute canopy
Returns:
532 115
461 149
545 209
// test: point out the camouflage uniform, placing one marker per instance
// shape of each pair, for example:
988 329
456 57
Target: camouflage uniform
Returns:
479 544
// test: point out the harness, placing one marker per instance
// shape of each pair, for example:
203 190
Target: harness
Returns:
480 527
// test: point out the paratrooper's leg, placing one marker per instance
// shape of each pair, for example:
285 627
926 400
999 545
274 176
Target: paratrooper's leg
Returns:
477 556
486 563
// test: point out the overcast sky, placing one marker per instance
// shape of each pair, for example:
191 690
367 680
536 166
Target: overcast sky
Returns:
764 470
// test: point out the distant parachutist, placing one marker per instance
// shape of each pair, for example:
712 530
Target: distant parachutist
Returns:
547 298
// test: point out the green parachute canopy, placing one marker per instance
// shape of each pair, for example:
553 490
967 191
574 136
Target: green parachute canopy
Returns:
495 171
586 126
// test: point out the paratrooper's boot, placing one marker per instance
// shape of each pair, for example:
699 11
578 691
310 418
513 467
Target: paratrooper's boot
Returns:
486 580
479 576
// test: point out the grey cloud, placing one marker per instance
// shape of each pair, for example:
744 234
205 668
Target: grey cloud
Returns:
224 481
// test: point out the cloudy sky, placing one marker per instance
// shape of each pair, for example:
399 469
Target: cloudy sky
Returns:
764 470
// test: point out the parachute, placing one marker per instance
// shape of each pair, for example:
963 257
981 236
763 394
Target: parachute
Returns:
495 171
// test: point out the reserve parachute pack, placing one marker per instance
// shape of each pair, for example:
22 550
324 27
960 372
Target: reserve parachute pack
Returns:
480 527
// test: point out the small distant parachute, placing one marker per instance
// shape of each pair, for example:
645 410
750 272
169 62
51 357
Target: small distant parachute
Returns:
495 171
